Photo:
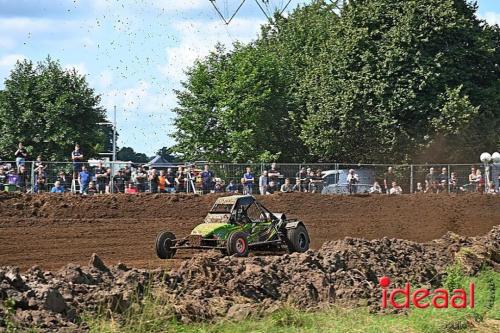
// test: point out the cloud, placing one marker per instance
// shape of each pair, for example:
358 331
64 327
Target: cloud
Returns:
491 17
198 38
7 63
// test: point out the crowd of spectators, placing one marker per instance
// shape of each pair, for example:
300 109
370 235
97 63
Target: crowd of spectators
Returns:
96 178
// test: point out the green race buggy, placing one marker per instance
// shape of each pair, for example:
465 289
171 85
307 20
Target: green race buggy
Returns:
235 225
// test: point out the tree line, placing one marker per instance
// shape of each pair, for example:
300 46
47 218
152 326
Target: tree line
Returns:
387 81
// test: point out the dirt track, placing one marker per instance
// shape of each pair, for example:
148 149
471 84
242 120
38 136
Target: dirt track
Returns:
52 231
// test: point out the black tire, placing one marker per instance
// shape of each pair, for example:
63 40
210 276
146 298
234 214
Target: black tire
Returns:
164 241
298 239
237 244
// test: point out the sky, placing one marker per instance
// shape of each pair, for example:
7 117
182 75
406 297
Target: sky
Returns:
134 52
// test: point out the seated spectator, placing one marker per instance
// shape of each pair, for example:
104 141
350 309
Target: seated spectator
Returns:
272 187
119 182
395 189
91 190
287 187
263 183
232 187
491 188
84 179
131 189
219 186
376 188
419 189
12 178
352 181
58 188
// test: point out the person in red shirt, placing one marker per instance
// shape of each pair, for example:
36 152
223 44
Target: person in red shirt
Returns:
131 189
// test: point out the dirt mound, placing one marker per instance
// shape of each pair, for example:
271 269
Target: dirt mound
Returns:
53 230
211 286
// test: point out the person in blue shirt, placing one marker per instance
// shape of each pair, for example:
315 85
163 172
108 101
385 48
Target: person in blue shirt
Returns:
58 188
84 179
207 180
248 180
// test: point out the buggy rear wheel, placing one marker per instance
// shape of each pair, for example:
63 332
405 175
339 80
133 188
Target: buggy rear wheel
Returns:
237 244
298 239
164 242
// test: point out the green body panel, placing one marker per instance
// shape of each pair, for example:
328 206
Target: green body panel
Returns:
257 232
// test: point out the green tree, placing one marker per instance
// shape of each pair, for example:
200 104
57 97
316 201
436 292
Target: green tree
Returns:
128 154
168 154
49 109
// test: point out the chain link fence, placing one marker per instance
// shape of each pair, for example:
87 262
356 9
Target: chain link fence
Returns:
39 176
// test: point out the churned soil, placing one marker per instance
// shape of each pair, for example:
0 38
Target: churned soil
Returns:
54 230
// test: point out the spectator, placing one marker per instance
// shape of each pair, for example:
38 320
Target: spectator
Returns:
139 178
274 174
431 181
101 176
180 180
301 184
39 164
40 181
442 184
491 188
23 179
315 181
57 188
170 177
84 179
480 182
91 189
61 178
419 189
3 179
376 189
21 156
131 189
127 174
77 158
207 180
248 180
219 186
263 183
108 180
287 187
472 185
232 187
272 187
454 183
395 189
153 181
119 182
162 182
352 181
389 177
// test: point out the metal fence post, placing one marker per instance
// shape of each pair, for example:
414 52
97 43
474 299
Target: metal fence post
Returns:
411 178
32 180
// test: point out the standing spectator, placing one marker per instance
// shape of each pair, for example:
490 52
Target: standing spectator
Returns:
3 179
153 181
471 187
57 188
84 178
127 174
480 181
21 156
180 180
40 181
376 189
395 189
263 182
442 181
287 187
431 181
248 180
101 178
162 182
389 177
274 174
139 177
61 178
419 189
39 164
219 186
454 183
77 158
23 179
207 180
170 177
108 180
232 187
119 182
316 181
352 181
301 183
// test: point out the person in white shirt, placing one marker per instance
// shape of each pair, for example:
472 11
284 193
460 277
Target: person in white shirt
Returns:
396 189
376 189
263 183
352 180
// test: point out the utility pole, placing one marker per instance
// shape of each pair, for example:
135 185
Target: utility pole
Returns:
114 133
